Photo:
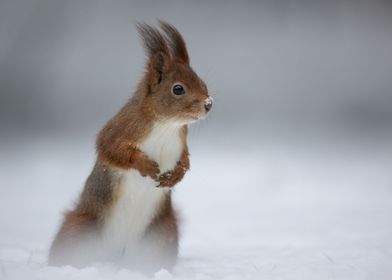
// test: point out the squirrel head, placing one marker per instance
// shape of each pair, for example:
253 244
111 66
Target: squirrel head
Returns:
173 91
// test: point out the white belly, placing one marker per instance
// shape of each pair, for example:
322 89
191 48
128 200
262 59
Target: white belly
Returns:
139 198
134 210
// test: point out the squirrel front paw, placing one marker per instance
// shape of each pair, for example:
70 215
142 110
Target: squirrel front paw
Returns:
167 179
172 177
149 168
145 165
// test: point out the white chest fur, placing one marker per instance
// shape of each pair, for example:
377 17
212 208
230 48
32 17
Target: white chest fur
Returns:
164 145
138 196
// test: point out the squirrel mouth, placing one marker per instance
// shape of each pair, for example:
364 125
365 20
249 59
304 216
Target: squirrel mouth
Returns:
192 118
199 117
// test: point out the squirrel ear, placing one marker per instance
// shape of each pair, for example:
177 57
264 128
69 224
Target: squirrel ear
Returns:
158 65
159 59
176 42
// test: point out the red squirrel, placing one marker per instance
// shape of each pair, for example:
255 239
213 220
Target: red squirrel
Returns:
125 213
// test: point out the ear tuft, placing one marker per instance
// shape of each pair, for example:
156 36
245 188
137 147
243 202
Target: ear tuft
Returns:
153 40
175 41
157 50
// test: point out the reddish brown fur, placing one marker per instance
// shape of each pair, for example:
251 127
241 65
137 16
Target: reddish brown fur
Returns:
118 144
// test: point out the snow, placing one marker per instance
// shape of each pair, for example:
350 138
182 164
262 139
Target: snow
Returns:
265 213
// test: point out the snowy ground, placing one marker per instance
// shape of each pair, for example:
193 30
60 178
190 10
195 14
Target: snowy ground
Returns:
263 214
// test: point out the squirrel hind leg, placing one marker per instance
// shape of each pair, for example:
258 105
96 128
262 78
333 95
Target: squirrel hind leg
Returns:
159 246
76 243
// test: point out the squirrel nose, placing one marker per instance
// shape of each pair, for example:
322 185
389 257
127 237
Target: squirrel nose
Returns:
208 103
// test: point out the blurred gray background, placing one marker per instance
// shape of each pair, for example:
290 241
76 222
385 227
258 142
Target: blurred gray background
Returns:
291 170
294 72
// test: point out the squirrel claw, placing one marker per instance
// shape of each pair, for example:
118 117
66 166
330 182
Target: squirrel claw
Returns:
158 186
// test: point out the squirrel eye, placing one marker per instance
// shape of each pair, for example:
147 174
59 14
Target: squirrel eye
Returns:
178 89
